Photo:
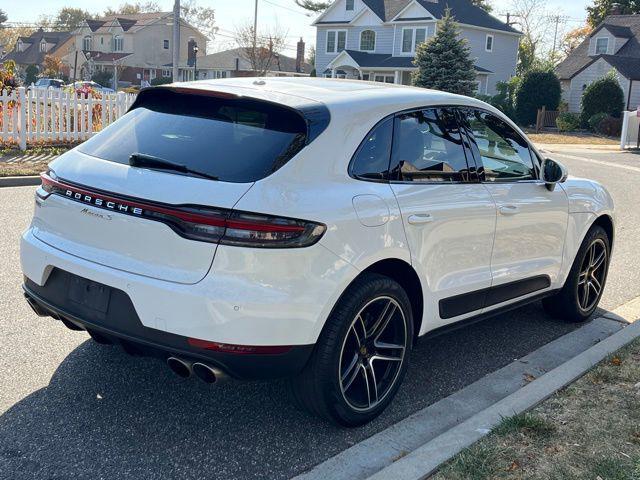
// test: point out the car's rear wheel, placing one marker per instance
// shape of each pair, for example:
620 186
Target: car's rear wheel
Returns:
361 356
583 288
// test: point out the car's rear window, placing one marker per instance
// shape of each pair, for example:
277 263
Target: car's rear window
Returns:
235 140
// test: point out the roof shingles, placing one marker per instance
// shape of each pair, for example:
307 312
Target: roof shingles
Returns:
625 60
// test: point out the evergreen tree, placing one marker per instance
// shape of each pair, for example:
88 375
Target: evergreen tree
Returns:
443 61
597 12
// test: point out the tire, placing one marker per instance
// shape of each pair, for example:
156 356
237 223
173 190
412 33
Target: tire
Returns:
568 304
334 383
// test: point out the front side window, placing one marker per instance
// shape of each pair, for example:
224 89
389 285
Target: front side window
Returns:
602 45
43 46
427 147
165 44
368 41
117 44
371 161
336 41
86 43
505 155
349 5
236 140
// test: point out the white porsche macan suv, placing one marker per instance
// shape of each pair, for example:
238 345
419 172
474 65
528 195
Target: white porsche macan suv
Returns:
310 229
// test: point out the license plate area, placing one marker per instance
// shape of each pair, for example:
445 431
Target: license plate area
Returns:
92 295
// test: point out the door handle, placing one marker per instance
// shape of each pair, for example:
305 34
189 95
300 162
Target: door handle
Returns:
420 218
509 209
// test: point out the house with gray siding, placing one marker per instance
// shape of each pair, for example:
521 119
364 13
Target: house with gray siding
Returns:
613 46
377 39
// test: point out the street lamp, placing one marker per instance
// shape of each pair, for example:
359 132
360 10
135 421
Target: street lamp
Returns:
195 61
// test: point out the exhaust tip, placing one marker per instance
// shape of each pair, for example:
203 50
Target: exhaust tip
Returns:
179 367
207 373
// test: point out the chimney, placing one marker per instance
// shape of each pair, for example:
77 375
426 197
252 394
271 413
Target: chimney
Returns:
300 56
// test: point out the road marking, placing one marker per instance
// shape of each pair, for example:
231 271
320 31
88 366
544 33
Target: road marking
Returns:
597 162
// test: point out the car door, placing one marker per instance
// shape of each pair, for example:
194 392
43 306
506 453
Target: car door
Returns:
449 216
532 220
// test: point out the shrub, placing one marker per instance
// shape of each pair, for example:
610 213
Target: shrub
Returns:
610 126
538 88
594 121
103 78
568 122
602 96
30 74
161 81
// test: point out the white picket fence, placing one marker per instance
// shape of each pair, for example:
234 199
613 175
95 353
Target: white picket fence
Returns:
54 115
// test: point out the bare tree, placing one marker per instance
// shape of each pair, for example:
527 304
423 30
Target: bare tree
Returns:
202 18
263 54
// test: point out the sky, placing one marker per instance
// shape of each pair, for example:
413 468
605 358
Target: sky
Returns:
230 14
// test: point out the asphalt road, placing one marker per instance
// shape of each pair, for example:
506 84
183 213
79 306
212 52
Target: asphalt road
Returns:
70 408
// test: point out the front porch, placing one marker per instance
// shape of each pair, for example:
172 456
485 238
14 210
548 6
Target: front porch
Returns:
379 67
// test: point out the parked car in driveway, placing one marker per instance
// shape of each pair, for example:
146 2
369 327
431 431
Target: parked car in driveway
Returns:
308 228
92 85
45 83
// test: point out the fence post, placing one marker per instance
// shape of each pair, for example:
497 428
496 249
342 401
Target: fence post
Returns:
22 118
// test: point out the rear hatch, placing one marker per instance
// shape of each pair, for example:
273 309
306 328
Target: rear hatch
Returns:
150 194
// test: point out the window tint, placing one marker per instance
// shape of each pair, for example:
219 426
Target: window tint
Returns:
234 140
504 153
427 146
372 158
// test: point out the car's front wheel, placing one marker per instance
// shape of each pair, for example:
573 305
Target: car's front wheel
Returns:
585 283
361 356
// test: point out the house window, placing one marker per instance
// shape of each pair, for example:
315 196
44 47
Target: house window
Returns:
411 38
349 5
166 73
165 44
602 45
86 43
368 41
118 43
43 46
488 46
385 78
336 41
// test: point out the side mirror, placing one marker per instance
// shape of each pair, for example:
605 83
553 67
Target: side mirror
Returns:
553 172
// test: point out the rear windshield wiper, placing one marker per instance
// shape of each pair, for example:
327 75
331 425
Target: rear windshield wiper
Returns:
150 161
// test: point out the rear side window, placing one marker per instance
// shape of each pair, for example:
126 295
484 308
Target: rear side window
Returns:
427 147
235 140
372 159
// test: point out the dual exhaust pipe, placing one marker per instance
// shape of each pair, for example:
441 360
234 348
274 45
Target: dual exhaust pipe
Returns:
204 372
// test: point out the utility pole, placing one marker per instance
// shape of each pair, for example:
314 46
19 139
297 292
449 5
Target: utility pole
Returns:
176 39
255 27
555 36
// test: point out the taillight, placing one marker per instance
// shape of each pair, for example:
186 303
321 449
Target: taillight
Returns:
239 349
204 224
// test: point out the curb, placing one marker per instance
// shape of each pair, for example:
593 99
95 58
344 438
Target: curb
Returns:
25 181
425 460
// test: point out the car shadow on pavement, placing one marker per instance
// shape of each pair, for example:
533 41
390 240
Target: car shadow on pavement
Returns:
107 415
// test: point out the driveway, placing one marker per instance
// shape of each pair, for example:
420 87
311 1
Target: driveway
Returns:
72 408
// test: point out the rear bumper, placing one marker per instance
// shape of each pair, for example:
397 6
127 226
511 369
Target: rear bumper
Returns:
121 325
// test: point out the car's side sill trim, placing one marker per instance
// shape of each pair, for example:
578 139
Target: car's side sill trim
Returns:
483 316
487 297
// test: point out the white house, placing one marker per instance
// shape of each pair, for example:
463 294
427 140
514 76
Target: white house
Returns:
613 45
377 39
